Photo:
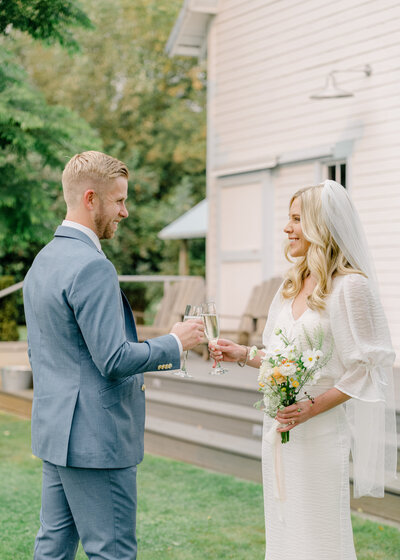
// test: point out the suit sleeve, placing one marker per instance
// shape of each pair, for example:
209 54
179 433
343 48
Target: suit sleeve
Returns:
96 301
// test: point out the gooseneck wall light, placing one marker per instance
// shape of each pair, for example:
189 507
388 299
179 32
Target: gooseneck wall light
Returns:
331 89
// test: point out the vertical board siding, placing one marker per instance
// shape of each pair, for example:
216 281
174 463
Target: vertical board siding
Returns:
241 213
240 243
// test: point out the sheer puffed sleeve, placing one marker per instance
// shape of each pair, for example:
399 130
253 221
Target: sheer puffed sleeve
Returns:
363 344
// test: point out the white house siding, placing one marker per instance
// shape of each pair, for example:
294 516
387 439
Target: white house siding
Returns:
265 59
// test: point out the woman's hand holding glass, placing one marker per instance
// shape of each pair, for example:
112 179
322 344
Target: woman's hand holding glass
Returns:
211 329
226 350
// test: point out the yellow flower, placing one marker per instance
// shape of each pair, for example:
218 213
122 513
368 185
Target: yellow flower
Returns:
261 384
295 383
278 377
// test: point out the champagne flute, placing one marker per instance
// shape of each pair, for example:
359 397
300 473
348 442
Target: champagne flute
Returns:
211 329
191 312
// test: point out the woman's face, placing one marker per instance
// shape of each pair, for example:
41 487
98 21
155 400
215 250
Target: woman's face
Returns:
298 243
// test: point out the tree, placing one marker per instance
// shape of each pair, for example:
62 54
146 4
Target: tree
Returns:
48 20
149 111
36 139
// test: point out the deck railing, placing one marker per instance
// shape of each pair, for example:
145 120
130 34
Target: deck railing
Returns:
165 279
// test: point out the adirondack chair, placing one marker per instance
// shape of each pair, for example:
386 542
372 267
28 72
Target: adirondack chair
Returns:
172 306
247 321
268 291
253 320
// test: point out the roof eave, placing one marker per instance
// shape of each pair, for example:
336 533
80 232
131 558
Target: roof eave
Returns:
189 34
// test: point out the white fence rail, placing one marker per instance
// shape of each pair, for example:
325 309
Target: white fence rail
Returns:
11 289
165 279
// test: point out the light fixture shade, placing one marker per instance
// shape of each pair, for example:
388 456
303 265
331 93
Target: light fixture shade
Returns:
331 90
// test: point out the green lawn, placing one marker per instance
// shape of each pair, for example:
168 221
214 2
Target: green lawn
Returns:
184 513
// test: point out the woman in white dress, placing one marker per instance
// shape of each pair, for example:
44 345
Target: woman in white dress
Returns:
331 285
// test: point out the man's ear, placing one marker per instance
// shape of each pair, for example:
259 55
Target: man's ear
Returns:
89 199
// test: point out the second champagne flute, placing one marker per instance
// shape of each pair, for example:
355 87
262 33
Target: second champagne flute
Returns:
211 329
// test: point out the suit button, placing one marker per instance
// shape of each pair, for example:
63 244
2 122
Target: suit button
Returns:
143 387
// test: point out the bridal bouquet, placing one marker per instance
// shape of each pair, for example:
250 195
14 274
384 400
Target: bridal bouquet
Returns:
285 371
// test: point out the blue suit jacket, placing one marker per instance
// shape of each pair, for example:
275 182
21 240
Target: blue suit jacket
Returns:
89 402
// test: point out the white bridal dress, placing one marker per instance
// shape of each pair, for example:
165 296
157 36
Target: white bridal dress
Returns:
306 481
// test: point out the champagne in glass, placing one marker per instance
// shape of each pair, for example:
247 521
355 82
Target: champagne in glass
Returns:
211 329
211 326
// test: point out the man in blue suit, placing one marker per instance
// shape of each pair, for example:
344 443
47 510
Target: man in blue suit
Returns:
89 396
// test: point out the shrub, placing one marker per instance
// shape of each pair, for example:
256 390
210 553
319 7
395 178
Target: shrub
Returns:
8 312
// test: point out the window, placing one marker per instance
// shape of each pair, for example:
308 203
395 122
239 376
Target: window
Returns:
337 172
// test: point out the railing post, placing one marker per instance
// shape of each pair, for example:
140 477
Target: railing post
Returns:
167 285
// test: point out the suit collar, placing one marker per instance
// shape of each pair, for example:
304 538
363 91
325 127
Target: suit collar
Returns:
73 233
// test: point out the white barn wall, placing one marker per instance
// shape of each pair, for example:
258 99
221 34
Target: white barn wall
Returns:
265 59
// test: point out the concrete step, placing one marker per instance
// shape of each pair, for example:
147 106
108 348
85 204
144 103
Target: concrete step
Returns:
213 450
216 388
224 417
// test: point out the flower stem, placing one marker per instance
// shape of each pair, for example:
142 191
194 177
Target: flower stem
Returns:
285 437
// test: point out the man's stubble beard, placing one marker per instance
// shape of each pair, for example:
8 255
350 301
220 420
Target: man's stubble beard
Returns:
104 226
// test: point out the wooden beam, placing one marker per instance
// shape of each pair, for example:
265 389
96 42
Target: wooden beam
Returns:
184 258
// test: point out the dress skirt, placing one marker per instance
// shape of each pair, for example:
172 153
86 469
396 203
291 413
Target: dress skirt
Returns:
313 522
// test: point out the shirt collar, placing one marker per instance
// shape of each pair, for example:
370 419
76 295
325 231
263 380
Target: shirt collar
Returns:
87 231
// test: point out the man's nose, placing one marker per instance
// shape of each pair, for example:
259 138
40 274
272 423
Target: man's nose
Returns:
124 212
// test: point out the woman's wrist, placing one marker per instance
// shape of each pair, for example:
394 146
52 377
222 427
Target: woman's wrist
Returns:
326 401
244 356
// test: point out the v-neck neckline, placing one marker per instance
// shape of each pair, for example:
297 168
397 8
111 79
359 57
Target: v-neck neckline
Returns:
291 311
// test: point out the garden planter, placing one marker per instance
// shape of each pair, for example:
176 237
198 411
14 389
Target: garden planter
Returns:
16 378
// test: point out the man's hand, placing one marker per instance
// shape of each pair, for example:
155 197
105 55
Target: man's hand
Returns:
190 333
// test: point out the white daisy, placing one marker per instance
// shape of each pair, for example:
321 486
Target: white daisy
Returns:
311 357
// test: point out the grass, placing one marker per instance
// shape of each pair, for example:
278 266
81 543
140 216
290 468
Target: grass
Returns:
184 513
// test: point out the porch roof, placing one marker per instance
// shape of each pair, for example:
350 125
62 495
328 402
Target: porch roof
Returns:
189 34
190 225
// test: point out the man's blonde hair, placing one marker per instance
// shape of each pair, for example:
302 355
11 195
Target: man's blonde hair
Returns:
89 170
324 259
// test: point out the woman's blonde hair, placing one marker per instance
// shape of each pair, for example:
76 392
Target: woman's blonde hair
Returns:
324 259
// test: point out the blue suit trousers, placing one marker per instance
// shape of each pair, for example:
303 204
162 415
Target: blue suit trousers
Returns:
96 506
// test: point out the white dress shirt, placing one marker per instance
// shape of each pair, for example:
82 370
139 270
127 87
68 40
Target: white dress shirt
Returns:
90 233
